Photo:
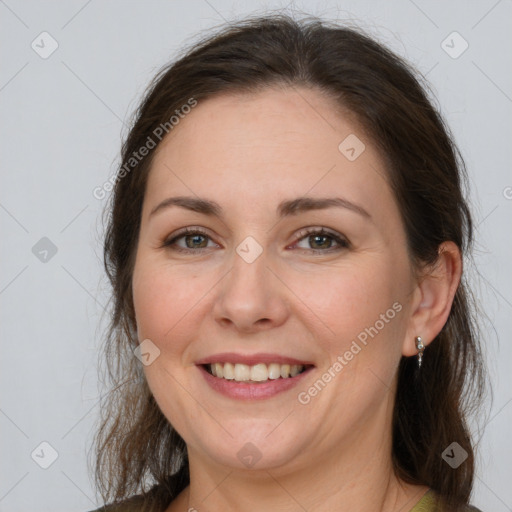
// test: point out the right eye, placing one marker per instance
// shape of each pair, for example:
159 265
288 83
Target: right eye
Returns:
195 240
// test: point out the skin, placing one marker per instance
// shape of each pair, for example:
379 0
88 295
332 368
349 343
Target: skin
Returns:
248 153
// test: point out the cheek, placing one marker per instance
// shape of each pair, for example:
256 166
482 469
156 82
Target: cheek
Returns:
162 301
365 310
350 300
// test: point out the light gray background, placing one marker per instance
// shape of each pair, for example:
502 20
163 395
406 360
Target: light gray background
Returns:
61 122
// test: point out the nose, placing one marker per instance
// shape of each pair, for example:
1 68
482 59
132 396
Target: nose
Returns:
251 298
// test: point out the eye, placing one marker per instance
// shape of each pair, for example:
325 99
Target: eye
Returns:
322 240
194 238
197 239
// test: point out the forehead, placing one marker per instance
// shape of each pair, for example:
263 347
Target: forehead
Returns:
268 145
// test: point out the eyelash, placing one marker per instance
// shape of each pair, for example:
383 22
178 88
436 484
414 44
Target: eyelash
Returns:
343 243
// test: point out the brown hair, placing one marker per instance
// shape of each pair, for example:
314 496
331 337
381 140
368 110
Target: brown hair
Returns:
136 447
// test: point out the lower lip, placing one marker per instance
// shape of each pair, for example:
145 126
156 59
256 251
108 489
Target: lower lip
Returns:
252 391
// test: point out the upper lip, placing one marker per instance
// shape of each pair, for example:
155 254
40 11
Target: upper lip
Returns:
251 359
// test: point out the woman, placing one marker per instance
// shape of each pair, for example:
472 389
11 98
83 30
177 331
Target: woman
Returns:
291 329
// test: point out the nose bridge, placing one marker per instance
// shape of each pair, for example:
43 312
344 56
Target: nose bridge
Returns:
249 265
249 294
248 278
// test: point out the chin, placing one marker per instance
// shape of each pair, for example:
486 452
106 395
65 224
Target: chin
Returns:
256 447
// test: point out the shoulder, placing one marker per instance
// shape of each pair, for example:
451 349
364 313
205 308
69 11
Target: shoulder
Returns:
429 503
156 499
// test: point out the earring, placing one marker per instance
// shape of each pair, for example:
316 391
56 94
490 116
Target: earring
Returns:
421 347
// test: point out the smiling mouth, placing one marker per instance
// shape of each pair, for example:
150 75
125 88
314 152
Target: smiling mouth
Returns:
256 373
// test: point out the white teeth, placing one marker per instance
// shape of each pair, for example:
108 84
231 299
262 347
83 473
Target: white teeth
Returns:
228 371
218 370
274 371
257 373
285 370
242 372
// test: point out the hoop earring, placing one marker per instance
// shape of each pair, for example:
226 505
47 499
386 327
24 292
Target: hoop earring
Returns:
421 347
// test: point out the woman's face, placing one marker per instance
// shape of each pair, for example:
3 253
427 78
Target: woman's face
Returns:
258 292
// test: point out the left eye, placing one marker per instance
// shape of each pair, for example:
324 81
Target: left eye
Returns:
323 239
197 239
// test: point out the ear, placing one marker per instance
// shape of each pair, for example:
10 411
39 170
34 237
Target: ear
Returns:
433 297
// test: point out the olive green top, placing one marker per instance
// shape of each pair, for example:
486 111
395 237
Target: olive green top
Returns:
426 504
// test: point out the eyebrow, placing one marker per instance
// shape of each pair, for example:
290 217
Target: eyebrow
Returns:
284 209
